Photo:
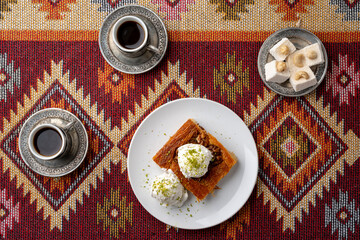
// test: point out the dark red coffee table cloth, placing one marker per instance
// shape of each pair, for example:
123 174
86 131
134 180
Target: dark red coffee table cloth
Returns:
308 182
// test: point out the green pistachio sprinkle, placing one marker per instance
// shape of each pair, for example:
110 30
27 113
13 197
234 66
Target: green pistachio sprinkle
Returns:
161 187
192 157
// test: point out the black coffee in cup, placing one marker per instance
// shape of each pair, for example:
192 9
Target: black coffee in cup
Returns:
47 141
130 35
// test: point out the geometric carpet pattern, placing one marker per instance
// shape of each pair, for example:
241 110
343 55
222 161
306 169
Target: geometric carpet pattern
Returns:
308 181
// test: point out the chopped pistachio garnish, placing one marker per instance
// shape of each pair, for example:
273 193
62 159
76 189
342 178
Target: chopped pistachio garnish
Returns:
193 160
168 189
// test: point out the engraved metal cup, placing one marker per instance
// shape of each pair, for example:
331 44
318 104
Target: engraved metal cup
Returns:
145 45
65 141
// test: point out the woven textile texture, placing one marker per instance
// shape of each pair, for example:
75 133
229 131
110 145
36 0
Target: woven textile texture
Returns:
309 168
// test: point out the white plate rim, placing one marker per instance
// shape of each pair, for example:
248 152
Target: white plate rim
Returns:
251 186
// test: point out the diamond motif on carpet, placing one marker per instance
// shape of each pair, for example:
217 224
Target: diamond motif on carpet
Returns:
290 197
173 8
115 82
9 213
4 6
111 5
231 8
10 77
231 77
54 8
343 215
291 8
344 80
291 178
55 198
290 146
349 9
57 190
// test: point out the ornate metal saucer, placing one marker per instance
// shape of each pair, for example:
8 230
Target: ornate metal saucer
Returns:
64 164
157 37
300 38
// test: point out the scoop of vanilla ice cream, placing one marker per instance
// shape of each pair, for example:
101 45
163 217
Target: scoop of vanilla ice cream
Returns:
193 160
168 190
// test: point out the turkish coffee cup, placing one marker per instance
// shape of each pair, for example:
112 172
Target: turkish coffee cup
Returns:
48 141
131 35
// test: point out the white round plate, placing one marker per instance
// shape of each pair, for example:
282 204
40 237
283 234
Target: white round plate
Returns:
222 123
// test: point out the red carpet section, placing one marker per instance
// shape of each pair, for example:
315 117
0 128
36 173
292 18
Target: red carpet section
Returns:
308 182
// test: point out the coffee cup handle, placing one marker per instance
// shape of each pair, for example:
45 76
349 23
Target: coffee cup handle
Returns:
153 49
69 126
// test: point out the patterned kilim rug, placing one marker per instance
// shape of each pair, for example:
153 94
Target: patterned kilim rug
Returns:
49 57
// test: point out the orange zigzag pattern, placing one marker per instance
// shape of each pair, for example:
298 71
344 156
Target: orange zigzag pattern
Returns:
291 10
54 8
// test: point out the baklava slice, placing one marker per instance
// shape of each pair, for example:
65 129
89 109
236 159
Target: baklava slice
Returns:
196 157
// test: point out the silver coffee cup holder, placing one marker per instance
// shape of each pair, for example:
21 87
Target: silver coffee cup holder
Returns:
76 142
128 63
